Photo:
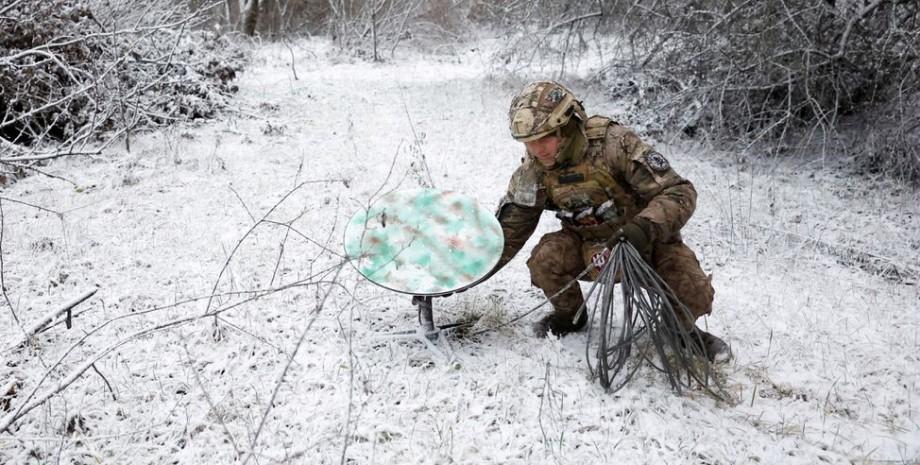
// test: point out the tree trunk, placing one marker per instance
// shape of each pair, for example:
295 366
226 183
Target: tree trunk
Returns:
232 9
251 17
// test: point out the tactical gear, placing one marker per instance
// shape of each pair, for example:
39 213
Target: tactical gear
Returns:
613 168
560 325
587 181
561 256
542 108
634 233
546 108
604 178
573 142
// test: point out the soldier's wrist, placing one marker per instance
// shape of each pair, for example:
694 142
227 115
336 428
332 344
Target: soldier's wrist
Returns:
646 227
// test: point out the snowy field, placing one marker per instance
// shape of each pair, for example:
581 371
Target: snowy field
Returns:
295 366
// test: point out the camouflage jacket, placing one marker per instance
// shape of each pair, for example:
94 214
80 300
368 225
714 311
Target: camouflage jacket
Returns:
616 167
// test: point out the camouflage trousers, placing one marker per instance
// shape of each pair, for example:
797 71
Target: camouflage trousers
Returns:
561 256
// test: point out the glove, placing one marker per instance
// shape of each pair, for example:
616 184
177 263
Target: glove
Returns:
637 234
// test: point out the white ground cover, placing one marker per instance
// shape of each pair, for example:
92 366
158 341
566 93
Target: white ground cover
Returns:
826 365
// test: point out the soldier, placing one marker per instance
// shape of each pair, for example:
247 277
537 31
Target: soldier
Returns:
605 184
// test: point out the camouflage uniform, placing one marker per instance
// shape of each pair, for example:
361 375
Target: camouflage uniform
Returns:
607 166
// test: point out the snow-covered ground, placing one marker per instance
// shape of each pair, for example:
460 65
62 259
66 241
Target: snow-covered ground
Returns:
826 365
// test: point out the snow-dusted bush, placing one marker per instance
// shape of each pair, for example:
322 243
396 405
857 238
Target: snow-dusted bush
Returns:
71 70
781 70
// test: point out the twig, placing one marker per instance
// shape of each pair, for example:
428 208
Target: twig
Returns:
207 398
346 434
287 366
845 37
304 237
10 7
287 233
543 399
45 173
37 207
3 271
291 50
111 391
30 402
240 329
248 212
252 295
418 147
253 228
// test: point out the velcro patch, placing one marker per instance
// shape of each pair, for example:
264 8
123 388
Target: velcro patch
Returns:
569 178
555 95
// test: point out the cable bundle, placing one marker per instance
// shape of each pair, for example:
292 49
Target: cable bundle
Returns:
649 327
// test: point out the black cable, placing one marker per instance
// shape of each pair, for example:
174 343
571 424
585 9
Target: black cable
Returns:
647 329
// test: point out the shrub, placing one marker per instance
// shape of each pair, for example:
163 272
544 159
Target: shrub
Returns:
71 70
774 71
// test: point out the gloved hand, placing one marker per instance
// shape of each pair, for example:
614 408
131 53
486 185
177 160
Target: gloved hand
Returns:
637 234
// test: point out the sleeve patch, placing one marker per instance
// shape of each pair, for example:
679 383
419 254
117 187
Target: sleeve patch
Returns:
657 162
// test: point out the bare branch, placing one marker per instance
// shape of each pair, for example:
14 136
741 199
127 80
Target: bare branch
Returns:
50 316
287 365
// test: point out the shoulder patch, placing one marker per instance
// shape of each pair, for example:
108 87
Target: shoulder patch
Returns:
657 161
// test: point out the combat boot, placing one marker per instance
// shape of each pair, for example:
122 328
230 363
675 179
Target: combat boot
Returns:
715 349
558 324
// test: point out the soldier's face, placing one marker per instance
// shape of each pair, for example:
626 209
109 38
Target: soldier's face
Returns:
544 149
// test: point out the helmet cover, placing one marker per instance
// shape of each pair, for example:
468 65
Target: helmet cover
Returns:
541 108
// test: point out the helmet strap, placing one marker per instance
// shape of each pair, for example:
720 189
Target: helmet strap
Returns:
574 141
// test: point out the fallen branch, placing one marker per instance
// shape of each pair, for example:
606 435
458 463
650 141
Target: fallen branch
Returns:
44 321
51 156
34 399
37 207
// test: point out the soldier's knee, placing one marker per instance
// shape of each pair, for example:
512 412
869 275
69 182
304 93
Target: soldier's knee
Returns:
545 263
541 265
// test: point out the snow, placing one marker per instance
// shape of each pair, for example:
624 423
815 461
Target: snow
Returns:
825 367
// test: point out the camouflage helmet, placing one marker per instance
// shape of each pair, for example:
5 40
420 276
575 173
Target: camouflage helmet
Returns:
541 108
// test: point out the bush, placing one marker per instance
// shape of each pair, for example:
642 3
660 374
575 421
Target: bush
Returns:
775 71
71 70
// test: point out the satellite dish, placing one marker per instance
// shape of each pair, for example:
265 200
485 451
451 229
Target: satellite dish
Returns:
424 242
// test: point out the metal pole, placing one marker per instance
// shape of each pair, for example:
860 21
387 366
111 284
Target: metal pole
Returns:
425 317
